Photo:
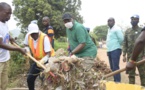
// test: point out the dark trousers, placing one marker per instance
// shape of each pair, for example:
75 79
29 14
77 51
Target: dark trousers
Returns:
114 58
32 75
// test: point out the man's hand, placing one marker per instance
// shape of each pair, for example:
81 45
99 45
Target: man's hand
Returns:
28 51
124 58
43 60
130 65
22 50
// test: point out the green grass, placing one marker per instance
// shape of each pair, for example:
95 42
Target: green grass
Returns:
58 45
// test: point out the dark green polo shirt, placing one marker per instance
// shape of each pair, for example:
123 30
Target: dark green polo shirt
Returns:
77 35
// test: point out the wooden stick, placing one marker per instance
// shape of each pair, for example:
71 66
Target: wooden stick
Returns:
123 69
32 57
114 73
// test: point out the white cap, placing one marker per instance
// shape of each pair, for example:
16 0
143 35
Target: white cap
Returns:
33 28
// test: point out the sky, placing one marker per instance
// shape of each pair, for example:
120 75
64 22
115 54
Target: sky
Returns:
96 12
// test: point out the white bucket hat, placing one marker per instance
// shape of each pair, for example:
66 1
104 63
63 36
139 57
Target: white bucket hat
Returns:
33 28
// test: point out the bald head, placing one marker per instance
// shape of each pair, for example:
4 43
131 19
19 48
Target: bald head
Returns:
111 18
45 21
111 22
5 11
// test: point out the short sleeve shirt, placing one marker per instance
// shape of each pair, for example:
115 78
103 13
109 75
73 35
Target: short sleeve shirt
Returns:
78 35
4 34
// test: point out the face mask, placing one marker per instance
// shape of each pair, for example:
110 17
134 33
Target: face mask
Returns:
68 25
134 23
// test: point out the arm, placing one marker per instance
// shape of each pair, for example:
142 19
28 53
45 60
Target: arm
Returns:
81 36
120 36
9 47
78 48
139 46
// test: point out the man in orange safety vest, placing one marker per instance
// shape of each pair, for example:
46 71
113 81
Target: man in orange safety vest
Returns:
41 49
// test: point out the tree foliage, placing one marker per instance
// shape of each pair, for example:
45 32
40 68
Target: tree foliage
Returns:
28 10
101 32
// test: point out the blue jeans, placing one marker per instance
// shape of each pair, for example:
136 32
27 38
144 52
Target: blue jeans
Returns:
114 58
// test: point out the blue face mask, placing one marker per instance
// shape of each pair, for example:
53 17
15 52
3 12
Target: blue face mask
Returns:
134 23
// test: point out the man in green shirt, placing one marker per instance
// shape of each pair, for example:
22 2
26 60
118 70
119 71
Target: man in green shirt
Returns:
80 42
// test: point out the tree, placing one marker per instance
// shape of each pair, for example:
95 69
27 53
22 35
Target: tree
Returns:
101 32
28 10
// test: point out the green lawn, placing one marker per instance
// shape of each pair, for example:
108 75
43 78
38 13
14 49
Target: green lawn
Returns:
58 45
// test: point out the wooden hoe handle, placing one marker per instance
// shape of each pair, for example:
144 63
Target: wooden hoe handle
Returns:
123 69
31 57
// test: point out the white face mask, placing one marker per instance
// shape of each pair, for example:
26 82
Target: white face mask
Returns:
68 25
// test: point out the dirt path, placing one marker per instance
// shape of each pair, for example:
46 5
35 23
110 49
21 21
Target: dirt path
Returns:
124 77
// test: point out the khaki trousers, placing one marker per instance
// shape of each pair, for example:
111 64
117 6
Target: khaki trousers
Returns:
3 75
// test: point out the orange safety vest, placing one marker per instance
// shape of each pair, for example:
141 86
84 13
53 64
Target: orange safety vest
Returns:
39 53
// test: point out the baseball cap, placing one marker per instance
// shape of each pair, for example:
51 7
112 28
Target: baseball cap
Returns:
135 16
67 16
33 28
